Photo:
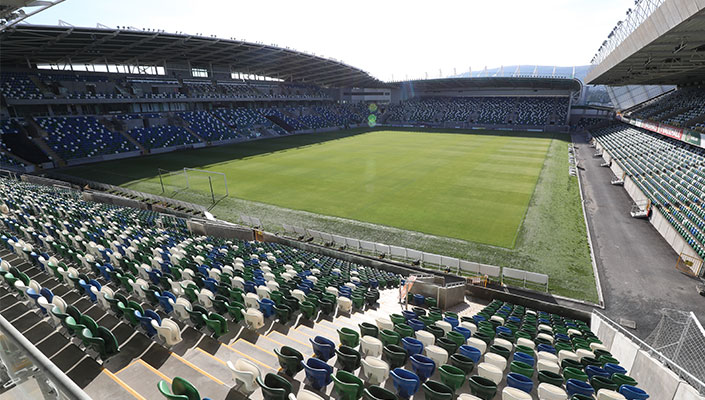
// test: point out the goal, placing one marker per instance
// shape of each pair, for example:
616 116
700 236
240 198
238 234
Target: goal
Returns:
215 184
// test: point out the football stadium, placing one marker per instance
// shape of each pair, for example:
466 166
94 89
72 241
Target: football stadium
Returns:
192 216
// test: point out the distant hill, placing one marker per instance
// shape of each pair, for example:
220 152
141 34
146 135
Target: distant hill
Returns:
579 72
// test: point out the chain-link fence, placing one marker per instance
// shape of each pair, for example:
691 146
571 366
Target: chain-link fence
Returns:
680 337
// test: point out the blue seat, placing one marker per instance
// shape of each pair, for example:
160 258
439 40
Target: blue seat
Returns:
146 321
419 299
614 369
164 298
374 284
210 284
47 294
463 331
250 287
87 288
452 321
575 386
105 270
154 276
594 370
318 373
478 319
520 382
633 392
267 307
423 366
409 315
503 329
471 352
411 345
323 347
415 324
406 383
33 294
546 347
525 358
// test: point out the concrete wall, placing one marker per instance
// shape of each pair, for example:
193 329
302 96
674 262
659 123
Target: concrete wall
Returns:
654 377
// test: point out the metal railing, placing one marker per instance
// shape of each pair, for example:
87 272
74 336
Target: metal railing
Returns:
24 362
667 362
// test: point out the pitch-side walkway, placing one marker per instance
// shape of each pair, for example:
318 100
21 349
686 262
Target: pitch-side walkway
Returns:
636 265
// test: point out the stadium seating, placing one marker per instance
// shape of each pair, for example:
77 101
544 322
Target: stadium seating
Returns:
536 111
162 136
123 262
18 86
207 126
682 108
669 172
78 137
8 127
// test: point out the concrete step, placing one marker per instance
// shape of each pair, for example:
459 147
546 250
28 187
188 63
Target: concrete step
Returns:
108 386
304 347
266 364
267 357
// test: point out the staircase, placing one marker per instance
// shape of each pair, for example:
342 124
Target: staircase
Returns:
23 148
278 121
120 128
36 134
142 362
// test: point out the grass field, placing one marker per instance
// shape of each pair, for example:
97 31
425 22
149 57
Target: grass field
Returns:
473 196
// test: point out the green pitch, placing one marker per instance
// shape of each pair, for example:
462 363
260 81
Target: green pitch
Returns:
474 187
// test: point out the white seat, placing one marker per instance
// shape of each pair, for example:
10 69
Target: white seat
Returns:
469 325
138 287
548 365
168 331
438 354
574 332
251 301
181 307
331 289
567 354
547 391
384 323
598 346
298 294
446 326
545 336
371 346
466 396
490 371
526 342
584 353
510 393
478 344
544 327
304 395
237 282
425 337
504 343
205 297
105 294
344 304
497 318
272 286
254 318
544 355
499 361
44 304
264 293
374 370
606 394
245 372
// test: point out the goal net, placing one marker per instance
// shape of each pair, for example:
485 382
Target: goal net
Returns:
212 184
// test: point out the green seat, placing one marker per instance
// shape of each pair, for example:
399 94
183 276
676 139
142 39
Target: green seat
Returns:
283 313
235 310
358 301
452 376
404 330
375 392
347 385
395 355
622 379
430 301
327 306
483 388
389 337
196 315
551 377
348 358
236 294
435 315
181 389
349 337
447 345
290 360
128 311
456 337
274 387
438 332
368 329
463 362
523 368
397 319
216 324
435 390
308 309
74 328
102 342
501 350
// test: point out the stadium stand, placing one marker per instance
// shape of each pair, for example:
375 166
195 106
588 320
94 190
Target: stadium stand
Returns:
484 110
207 126
113 281
162 136
79 137
669 172
8 128
681 108
18 86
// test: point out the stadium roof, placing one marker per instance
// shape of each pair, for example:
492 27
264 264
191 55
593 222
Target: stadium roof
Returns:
494 82
37 44
668 48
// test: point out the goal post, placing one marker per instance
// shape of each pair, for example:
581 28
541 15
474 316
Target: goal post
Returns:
207 182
